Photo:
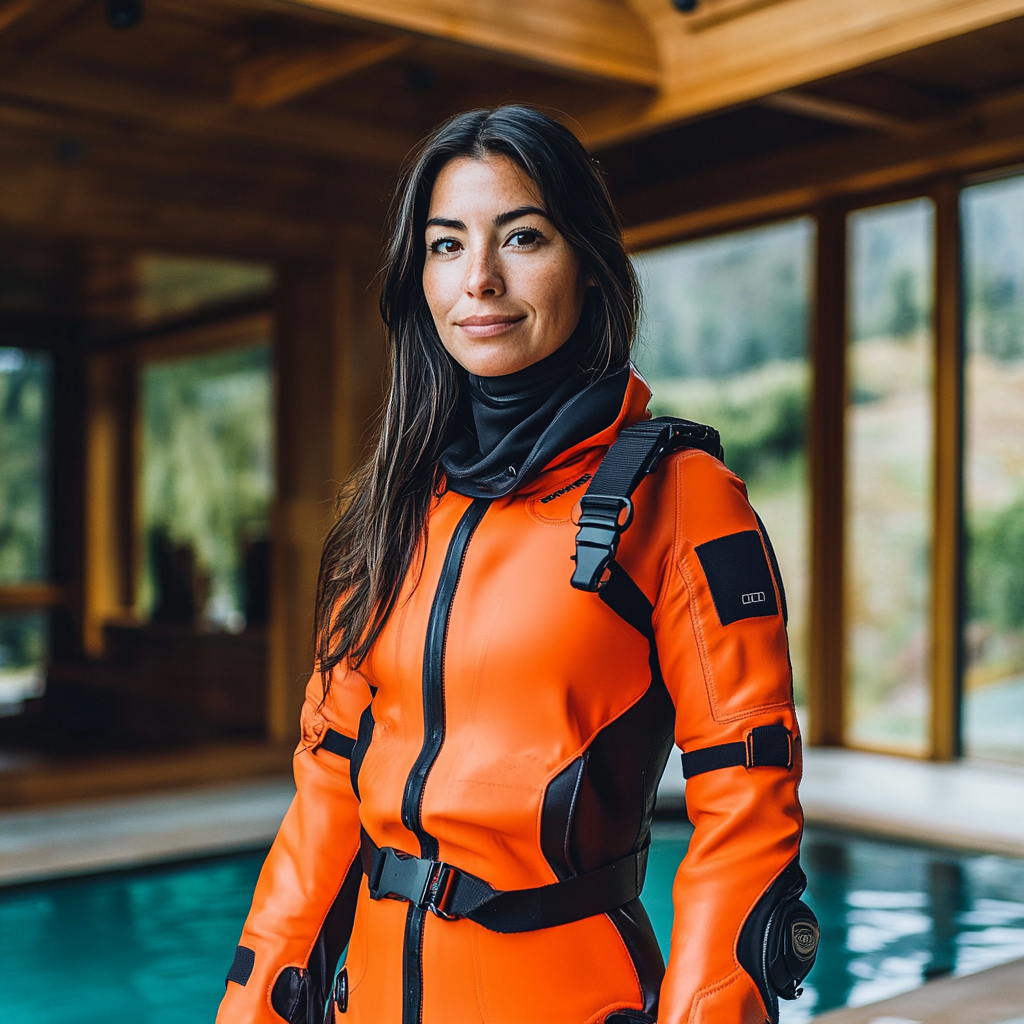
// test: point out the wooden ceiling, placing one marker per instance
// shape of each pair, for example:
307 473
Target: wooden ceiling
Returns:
274 128
223 126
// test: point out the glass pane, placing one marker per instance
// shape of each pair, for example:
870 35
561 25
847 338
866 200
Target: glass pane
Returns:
993 711
207 484
23 647
724 341
889 475
25 395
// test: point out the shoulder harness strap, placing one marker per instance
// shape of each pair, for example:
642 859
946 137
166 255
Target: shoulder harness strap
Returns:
606 512
607 506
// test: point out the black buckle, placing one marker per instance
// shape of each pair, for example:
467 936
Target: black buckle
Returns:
399 876
598 537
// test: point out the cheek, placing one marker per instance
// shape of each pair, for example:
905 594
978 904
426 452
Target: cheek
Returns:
555 288
438 288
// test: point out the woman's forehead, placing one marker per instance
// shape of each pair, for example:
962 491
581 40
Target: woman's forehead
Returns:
481 186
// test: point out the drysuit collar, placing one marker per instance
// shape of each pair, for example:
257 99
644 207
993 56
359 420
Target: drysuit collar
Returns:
512 426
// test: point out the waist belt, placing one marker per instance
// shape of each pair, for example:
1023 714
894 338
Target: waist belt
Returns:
451 893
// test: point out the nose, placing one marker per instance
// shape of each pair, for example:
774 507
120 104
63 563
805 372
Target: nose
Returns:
483 274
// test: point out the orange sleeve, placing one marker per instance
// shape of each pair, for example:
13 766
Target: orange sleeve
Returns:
299 906
725 658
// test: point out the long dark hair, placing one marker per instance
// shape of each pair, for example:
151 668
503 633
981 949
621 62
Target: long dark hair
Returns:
383 506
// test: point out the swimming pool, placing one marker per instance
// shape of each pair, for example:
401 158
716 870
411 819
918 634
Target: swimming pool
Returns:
152 946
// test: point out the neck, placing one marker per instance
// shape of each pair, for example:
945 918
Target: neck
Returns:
501 404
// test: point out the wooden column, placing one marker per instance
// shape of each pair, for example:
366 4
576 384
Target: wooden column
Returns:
108 589
947 542
827 434
327 348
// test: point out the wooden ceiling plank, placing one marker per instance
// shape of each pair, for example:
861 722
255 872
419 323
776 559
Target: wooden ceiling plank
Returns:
834 111
987 136
275 78
12 11
597 38
63 87
782 46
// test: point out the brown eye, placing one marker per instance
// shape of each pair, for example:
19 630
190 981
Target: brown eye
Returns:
445 246
524 238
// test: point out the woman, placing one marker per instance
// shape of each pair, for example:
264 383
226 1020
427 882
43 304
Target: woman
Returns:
482 740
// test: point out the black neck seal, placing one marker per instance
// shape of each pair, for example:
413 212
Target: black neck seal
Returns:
511 426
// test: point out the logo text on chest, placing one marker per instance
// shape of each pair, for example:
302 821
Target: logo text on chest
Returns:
566 489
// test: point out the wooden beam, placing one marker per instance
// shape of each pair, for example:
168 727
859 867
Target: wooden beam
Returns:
32 595
822 108
329 354
275 78
109 522
159 190
13 11
595 38
947 540
826 647
782 45
57 85
986 136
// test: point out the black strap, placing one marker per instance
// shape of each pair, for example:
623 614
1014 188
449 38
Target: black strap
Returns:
451 893
766 746
337 743
606 510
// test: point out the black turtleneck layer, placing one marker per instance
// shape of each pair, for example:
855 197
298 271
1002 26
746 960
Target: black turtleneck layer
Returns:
513 425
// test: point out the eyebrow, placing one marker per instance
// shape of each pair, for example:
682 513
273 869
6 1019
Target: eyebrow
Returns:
500 221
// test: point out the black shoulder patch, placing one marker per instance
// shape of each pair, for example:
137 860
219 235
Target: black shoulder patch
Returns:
738 575
245 960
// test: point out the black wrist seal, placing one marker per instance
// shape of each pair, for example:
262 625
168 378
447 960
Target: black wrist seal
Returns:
779 940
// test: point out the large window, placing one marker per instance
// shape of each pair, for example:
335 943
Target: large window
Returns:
889 444
724 340
25 397
993 710
206 485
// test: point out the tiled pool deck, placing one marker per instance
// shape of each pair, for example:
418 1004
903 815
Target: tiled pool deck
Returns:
966 805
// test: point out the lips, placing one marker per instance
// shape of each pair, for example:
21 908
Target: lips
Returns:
489 326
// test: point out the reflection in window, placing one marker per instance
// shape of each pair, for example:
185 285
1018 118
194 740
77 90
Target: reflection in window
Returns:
25 400
207 484
25 385
993 708
724 341
889 475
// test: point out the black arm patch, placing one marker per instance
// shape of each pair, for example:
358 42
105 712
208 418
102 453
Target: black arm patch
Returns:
737 573
241 967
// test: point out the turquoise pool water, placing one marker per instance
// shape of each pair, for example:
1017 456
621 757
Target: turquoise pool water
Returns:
152 946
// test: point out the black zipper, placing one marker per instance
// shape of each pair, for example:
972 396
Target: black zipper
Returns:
433 737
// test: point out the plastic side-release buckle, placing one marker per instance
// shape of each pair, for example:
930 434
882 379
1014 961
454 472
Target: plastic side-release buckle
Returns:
601 523
399 876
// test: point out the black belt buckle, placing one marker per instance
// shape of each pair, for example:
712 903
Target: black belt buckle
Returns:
399 876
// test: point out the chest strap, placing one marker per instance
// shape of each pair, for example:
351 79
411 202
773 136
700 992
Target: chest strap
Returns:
450 893
607 507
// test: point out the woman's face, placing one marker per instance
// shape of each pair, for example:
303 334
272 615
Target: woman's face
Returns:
502 284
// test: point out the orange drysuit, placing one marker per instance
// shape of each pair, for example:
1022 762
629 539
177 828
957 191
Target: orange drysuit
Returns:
507 725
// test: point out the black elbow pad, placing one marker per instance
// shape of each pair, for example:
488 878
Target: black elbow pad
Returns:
779 940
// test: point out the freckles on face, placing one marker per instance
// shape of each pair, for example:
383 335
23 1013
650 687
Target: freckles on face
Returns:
502 284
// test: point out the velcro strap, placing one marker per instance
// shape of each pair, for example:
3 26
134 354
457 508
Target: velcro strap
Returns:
766 746
451 893
337 743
